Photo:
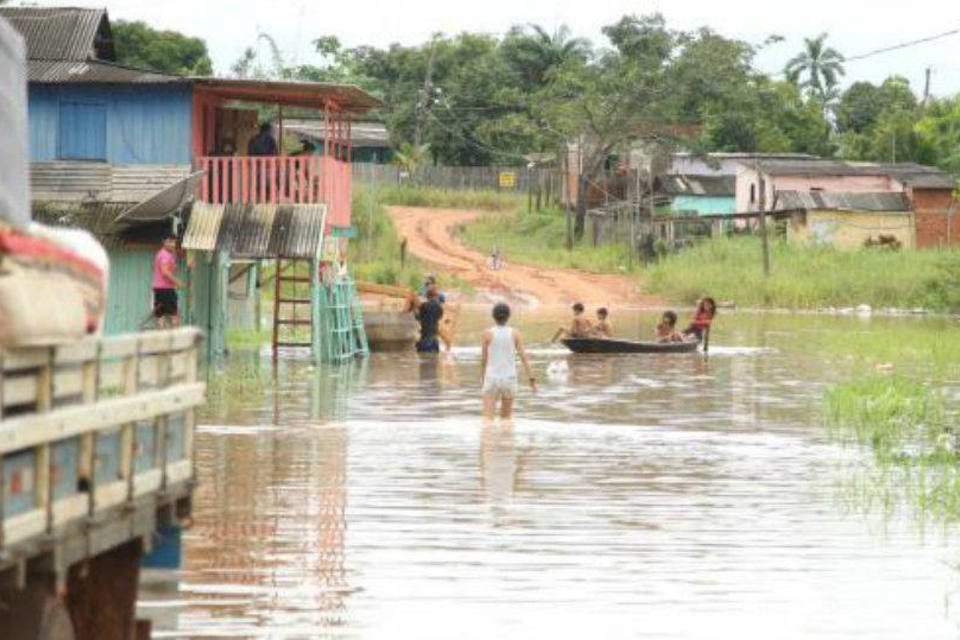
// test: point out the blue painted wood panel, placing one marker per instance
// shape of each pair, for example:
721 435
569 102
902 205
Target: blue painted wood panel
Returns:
19 482
83 130
106 469
65 467
145 124
146 452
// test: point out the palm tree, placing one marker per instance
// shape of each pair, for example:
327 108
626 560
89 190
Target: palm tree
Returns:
535 53
817 68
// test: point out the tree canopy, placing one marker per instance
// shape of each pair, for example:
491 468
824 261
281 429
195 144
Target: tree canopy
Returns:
143 47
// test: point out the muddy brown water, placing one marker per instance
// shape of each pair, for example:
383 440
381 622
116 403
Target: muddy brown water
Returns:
676 496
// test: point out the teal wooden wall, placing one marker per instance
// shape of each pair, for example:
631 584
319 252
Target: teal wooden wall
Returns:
129 297
208 284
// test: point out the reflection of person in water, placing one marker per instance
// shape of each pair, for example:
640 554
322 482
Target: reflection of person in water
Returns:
499 463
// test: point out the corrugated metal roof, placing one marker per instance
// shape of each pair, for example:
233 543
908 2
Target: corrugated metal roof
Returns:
261 231
362 134
93 71
916 175
203 229
842 201
297 230
304 94
63 33
721 185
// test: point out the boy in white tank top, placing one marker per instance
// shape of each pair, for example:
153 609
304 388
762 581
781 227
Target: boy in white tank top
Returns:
498 364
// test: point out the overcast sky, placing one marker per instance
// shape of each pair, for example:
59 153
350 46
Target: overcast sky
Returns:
854 27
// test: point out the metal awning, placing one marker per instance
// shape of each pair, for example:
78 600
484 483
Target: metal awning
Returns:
257 231
164 202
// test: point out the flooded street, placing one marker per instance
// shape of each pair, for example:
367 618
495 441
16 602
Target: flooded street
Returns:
654 496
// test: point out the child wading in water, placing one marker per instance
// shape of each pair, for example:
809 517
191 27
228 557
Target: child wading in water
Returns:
498 364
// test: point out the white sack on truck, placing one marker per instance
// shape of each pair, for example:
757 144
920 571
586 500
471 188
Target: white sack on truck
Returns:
48 294
14 179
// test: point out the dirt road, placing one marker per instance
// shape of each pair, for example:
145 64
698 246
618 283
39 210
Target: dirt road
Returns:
429 234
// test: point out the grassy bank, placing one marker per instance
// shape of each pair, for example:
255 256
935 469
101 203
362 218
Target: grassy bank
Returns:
539 237
413 196
807 278
375 252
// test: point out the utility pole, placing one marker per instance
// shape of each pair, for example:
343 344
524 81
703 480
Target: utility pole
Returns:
425 99
762 203
926 89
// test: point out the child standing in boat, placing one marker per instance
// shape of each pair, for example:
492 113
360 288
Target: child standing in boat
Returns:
498 364
706 311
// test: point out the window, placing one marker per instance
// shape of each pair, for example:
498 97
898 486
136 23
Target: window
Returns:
83 131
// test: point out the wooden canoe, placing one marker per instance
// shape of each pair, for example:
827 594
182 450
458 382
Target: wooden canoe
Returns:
602 345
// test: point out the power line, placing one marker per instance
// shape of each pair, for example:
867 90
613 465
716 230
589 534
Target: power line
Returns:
903 45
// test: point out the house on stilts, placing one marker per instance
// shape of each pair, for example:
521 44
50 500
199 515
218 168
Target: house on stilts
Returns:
131 154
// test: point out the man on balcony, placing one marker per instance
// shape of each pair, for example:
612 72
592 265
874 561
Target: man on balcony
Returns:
263 144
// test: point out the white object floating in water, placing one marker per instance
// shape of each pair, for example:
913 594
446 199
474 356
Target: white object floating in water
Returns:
558 369
864 310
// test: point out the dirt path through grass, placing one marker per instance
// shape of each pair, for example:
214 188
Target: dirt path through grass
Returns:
430 237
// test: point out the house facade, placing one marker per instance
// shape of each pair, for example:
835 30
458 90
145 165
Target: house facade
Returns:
848 220
125 153
928 191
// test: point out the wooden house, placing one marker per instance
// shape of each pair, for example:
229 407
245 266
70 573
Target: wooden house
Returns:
127 153
848 220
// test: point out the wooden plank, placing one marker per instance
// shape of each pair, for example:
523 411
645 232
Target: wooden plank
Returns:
22 358
110 495
147 482
76 353
19 391
67 510
31 430
179 472
69 383
111 375
23 526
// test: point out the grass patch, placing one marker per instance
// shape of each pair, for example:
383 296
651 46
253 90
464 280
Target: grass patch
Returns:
539 237
906 425
246 338
414 196
375 253
808 277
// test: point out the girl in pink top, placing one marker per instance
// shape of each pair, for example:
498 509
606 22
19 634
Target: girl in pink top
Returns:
165 284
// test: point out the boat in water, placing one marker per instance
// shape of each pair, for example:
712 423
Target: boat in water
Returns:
606 345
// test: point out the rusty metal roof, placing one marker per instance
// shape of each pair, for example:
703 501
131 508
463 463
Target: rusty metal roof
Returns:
313 95
842 201
93 71
256 231
63 33
362 134
297 230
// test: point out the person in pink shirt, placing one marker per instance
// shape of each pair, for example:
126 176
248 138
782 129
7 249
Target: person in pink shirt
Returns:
165 284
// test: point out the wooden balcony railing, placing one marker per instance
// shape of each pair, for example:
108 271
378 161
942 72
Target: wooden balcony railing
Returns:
278 180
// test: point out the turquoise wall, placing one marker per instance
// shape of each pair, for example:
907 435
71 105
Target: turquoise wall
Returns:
704 205
129 297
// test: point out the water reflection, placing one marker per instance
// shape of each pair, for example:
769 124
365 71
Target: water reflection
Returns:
651 496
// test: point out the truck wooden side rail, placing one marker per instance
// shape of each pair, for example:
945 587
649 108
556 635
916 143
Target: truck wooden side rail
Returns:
96 451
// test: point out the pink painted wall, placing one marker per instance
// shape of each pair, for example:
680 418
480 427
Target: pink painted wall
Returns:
856 184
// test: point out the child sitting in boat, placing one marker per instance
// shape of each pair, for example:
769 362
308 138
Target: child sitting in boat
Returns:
706 311
603 329
580 326
667 329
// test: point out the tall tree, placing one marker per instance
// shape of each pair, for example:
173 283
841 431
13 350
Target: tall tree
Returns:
532 53
817 69
141 46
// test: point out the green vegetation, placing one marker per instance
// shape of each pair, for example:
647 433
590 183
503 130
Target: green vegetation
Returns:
414 196
808 277
906 425
539 238
143 47
375 253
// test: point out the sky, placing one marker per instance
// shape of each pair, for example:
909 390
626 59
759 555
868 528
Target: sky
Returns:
855 28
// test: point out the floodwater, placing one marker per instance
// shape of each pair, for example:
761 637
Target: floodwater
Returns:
642 496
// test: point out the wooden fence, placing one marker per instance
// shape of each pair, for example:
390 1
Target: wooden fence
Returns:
502 178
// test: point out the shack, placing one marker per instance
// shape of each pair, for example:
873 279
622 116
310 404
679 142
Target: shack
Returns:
848 220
